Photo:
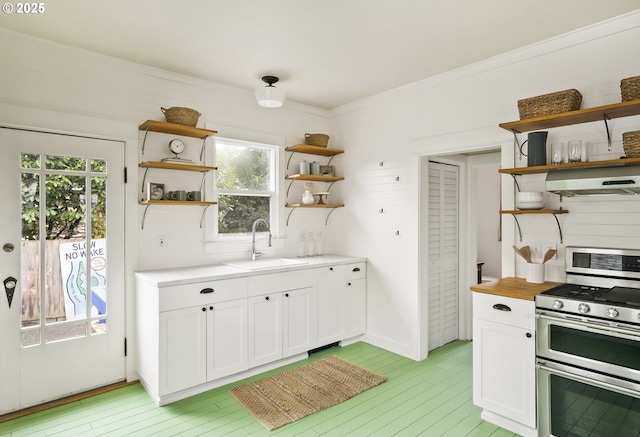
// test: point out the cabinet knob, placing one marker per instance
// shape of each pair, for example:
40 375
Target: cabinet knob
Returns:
331 268
211 308
204 309
266 298
207 290
286 295
348 283
356 269
528 335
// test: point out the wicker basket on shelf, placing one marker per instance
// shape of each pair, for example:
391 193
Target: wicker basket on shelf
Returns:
631 144
184 116
320 140
548 104
630 88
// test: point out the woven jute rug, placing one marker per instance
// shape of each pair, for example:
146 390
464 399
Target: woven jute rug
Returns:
284 398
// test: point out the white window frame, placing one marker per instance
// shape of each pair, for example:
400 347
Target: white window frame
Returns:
219 244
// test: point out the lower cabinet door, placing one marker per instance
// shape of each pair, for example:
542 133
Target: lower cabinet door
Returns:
226 338
331 305
299 321
504 378
265 329
182 349
356 307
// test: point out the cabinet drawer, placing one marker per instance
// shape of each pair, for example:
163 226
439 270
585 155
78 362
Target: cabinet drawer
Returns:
283 281
356 271
506 310
201 293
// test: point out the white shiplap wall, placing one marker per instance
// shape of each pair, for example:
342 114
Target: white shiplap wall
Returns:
459 111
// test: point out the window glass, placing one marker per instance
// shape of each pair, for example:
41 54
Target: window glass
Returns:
246 185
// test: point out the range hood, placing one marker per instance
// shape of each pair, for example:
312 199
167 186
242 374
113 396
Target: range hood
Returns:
594 181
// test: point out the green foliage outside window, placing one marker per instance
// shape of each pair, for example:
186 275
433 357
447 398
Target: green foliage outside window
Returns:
65 209
243 179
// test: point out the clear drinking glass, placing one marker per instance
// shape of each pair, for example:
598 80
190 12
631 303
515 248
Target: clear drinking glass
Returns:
575 151
557 153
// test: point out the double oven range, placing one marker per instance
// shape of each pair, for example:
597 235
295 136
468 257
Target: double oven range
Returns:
588 347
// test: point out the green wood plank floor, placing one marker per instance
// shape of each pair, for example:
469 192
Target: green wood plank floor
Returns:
428 398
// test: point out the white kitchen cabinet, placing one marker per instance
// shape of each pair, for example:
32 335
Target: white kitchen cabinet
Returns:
183 347
202 334
332 304
299 321
265 329
356 293
190 334
504 374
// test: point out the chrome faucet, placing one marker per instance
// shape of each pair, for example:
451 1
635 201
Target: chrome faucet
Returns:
255 254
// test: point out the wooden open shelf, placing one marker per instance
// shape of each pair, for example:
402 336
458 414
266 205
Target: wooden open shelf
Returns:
314 150
175 166
313 205
599 113
176 129
314 178
546 168
176 202
534 211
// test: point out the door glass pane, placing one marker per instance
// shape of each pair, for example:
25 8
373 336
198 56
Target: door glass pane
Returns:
63 268
66 163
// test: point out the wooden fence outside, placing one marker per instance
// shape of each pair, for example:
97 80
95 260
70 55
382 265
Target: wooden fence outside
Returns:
30 281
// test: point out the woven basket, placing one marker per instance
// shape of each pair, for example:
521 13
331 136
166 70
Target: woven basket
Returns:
548 104
184 116
631 144
320 140
630 88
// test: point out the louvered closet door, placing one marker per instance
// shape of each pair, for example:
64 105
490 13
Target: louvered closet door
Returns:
443 254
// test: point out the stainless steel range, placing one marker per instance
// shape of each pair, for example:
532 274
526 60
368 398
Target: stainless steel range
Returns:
588 346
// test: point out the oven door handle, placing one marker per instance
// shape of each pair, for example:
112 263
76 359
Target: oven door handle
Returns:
588 381
629 333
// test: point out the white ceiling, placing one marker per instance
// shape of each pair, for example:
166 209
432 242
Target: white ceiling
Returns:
326 52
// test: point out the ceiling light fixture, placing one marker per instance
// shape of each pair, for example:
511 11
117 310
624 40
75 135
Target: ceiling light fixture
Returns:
269 96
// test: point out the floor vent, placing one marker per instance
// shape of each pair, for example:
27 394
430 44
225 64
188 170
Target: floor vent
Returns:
321 348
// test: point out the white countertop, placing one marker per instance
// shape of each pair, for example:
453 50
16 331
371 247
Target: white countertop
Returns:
214 272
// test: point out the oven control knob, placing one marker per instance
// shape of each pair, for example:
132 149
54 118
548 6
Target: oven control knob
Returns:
612 312
583 308
557 304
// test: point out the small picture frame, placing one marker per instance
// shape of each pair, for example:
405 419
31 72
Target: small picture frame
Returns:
155 191
326 170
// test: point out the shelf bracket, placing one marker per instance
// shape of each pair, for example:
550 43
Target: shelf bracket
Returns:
144 216
605 117
202 149
518 226
144 177
559 228
517 145
144 140
202 216
202 182
515 181
291 212
289 187
326 221
289 160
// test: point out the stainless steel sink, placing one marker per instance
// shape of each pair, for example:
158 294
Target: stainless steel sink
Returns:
267 263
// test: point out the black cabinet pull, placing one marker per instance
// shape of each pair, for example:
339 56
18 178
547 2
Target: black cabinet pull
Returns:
331 268
501 307
348 283
528 335
207 290
211 308
266 298
286 295
356 269
204 309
